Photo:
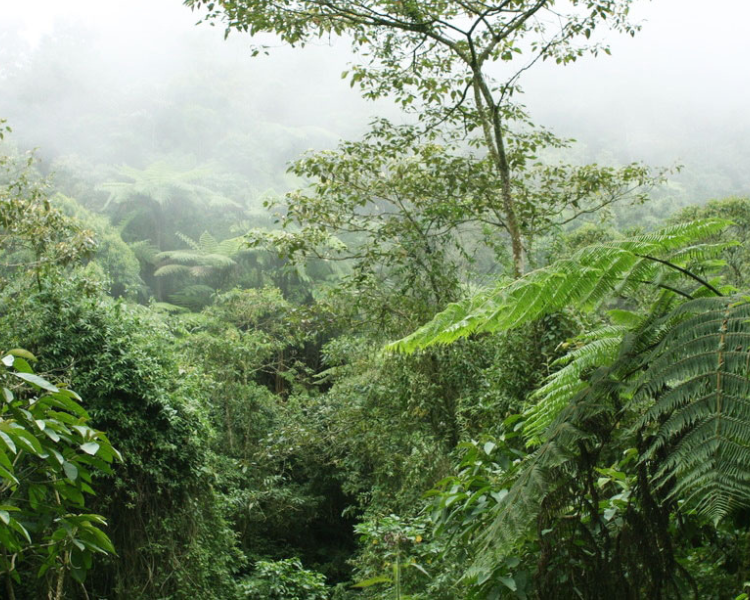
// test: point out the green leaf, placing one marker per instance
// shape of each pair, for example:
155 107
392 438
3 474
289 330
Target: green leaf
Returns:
90 448
7 474
37 381
28 441
71 471
509 582
21 353
20 365
15 525
583 281
8 442
51 434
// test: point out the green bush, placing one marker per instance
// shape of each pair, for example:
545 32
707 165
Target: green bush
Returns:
284 580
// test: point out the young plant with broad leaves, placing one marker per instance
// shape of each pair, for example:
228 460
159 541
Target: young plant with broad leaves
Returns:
49 456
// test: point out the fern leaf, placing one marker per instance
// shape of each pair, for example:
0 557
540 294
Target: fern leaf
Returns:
563 385
583 281
208 244
699 381
172 269
189 241
181 256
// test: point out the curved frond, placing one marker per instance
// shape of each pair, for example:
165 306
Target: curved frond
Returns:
172 269
207 243
232 246
144 251
547 467
582 281
168 308
599 348
216 261
189 241
180 256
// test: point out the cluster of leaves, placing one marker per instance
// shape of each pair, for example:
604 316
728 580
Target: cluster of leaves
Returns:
285 579
434 58
48 457
34 235
250 435
396 549
159 501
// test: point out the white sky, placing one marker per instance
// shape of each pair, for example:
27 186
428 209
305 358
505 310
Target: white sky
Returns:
689 64
686 47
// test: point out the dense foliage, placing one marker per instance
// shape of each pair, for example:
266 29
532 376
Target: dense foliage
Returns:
441 368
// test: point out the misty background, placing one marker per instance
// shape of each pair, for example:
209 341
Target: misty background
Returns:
96 84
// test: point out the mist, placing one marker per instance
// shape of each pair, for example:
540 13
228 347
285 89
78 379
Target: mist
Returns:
128 82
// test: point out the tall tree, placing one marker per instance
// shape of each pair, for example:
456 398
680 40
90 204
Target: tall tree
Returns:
440 58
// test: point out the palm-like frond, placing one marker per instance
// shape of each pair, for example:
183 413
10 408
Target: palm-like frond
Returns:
547 467
166 307
597 349
161 183
699 382
144 251
582 281
205 256
684 367
193 296
172 269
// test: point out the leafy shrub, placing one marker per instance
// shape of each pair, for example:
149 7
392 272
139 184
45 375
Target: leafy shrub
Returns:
284 579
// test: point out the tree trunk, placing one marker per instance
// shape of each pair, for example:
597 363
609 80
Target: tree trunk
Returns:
493 134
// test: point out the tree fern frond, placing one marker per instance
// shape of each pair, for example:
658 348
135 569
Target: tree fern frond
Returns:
193 296
674 237
699 380
584 281
181 256
144 251
232 247
189 241
512 515
563 385
168 308
537 476
216 261
620 317
172 269
701 252
200 271
208 244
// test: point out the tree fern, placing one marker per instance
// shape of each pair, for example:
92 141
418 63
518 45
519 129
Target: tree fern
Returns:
673 383
546 468
204 257
144 251
163 184
193 297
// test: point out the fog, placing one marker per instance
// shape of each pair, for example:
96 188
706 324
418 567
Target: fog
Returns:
112 82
